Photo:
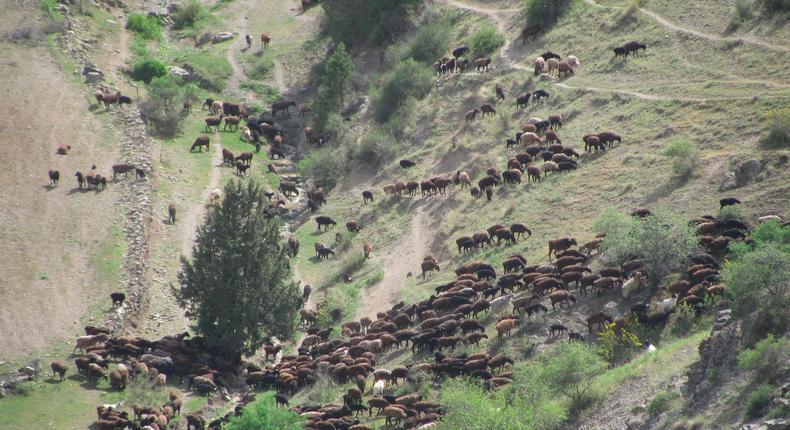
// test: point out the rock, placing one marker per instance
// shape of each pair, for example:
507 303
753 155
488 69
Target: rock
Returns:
639 409
205 38
92 77
728 183
633 424
222 37
718 351
743 174
777 424
28 370
178 71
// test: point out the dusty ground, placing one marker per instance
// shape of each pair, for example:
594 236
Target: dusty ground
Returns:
49 236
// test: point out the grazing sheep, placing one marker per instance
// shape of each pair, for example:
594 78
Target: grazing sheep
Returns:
564 68
200 142
553 66
282 106
378 388
555 121
573 62
241 168
216 106
548 54
232 121
407 164
470 115
324 221
523 100
367 196
632 47
265 39
121 168
504 327
487 108
171 212
54 177
213 121
460 51
665 306
530 138
557 329
500 91
63 149
429 266
540 94
353 226
729 201
593 141
59 368
561 296
550 166
598 319
608 137
620 52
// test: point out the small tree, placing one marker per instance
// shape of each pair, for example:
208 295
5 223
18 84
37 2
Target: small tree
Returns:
662 240
684 157
778 136
544 12
485 41
570 370
147 70
238 285
335 83
165 101
264 414
408 79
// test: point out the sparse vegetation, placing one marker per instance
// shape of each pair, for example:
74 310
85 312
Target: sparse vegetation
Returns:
147 70
264 414
325 166
768 359
189 15
166 96
147 27
335 83
662 240
430 42
741 12
778 134
544 12
759 400
660 403
684 157
774 5
730 212
374 147
486 41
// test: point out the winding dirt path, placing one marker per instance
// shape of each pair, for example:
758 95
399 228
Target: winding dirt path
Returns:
403 256
194 215
749 40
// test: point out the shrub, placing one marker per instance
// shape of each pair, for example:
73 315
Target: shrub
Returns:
757 282
778 135
431 41
541 12
146 26
339 304
264 414
485 41
730 212
684 157
660 403
189 15
373 147
324 166
775 5
759 400
617 346
335 83
357 21
768 358
741 12
162 107
408 78
662 240
147 70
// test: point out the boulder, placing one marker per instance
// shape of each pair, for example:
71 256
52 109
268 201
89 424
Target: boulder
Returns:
205 38
92 77
178 71
222 37
743 174
718 351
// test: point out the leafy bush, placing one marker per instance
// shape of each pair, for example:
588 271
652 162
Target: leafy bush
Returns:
339 304
757 282
335 83
408 78
485 41
730 212
660 403
617 345
146 26
662 241
264 414
778 136
189 15
775 5
759 400
146 70
431 41
684 157
162 107
374 146
741 12
768 358
324 166
570 369
358 21
540 12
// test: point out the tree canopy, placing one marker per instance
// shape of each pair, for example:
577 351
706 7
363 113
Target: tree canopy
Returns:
238 284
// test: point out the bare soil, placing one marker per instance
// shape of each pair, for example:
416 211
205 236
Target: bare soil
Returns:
48 235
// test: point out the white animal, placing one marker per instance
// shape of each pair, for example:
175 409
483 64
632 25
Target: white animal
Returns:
215 197
633 284
573 62
246 134
650 347
500 303
216 107
766 218
378 388
667 305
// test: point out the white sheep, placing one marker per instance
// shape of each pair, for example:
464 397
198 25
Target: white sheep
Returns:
501 302
767 218
667 305
632 284
573 62
378 388
215 197
246 134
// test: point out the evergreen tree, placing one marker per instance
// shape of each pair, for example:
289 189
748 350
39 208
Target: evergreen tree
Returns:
238 285
335 83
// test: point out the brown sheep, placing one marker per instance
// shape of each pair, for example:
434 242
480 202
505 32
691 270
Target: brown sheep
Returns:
367 248
520 230
500 91
353 226
561 296
555 121
265 39
213 121
171 212
558 245
599 319
533 174
463 179
550 166
63 149
552 136
564 68
232 121
529 138
394 415
200 142
487 108
59 368
428 266
481 64
471 114
504 327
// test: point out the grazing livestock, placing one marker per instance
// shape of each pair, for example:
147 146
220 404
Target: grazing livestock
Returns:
54 177
241 168
540 94
282 106
633 47
121 168
597 319
171 212
117 299
213 121
548 55
553 66
324 221
523 100
487 108
265 39
367 196
564 68
560 297
470 115
500 91
63 149
530 138
59 368
620 52
592 141
429 266
244 158
481 64
200 142
140 173
407 164
460 51
232 121
608 137
367 248
555 121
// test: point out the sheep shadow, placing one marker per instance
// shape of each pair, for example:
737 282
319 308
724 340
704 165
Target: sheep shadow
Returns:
49 187
166 221
78 190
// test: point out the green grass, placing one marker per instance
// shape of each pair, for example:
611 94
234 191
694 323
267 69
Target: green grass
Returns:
212 64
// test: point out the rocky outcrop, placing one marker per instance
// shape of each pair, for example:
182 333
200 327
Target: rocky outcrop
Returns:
743 174
719 351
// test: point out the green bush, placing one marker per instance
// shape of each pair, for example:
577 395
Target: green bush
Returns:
485 41
541 12
162 107
146 26
324 166
358 21
189 15
730 212
212 70
759 400
340 304
768 359
260 66
408 78
431 41
660 403
146 70
373 147
662 240
741 12
684 157
775 5
335 83
264 414
778 136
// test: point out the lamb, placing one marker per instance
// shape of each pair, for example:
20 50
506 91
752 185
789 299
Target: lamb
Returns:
522 100
471 114
63 149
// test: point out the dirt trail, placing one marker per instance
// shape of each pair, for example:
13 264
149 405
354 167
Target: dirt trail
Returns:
239 45
749 40
403 256
194 215
279 79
